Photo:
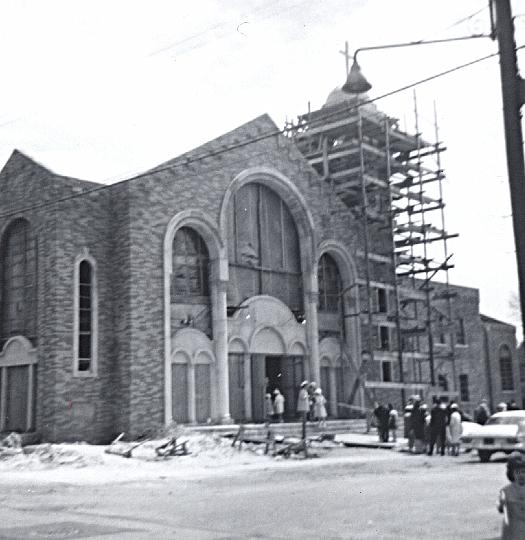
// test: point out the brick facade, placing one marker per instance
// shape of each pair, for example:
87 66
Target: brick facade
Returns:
124 229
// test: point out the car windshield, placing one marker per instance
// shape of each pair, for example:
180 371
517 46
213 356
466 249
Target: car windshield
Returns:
506 420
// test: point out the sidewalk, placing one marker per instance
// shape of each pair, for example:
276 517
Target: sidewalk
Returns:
367 440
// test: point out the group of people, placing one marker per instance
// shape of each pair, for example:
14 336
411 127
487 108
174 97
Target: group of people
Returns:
274 407
311 403
439 428
386 421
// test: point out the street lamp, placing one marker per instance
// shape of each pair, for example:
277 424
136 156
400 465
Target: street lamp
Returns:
356 82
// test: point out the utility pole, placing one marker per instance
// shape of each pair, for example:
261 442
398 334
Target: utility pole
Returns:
512 86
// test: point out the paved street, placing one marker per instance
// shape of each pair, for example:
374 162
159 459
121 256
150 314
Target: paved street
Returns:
348 494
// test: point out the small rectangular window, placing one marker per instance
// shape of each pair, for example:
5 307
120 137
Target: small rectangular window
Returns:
460 332
463 388
382 300
384 338
443 382
386 371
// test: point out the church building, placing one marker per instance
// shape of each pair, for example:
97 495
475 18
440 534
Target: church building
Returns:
183 294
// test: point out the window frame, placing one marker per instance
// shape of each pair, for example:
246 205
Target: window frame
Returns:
390 369
464 394
253 259
93 367
461 336
24 255
324 305
506 372
201 265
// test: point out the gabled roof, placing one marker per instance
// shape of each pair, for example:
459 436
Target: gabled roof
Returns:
18 161
491 320
261 126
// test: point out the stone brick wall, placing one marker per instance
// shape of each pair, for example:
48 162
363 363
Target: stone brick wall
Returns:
152 200
498 334
67 407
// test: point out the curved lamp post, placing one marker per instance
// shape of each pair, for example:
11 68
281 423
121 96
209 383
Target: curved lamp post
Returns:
356 82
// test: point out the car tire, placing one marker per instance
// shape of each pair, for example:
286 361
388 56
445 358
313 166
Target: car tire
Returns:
484 455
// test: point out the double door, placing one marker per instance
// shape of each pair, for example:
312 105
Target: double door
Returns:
269 372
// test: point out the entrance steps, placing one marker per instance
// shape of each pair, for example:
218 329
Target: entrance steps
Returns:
286 429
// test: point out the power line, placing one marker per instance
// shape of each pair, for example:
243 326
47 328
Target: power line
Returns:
184 162
467 18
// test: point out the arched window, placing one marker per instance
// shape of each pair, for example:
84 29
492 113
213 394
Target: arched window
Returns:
85 323
264 249
190 265
18 281
505 367
329 284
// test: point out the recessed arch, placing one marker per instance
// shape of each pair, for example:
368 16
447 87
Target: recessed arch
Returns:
267 340
237 346
18 267
288 192
206 228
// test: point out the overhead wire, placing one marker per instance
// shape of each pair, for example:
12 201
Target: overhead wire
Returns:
182 161
467 18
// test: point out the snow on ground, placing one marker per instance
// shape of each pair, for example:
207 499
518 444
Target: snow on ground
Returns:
81 463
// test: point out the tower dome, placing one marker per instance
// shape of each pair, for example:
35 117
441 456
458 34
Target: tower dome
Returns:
338 98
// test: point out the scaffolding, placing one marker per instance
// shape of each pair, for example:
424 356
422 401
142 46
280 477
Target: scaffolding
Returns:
390 181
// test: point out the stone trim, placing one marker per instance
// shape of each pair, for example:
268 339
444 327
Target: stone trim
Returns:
199 221
93 371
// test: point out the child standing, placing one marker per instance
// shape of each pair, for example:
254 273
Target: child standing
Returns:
392 421
320 407
512 499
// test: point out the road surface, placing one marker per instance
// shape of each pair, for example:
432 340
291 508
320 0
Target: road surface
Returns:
349 494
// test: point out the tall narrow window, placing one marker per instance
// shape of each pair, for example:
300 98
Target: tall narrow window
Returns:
17 281
85 316
505 366
329 284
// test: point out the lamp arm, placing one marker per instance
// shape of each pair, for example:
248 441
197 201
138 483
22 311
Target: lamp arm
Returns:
420 42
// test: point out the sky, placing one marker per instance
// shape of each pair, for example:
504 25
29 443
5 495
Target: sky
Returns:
102 90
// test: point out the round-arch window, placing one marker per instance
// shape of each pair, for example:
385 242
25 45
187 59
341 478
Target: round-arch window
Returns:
190 264
329 281
264 251
18 281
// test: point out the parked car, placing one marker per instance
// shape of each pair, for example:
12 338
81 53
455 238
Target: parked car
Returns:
503 432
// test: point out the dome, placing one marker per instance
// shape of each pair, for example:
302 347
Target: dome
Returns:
338 97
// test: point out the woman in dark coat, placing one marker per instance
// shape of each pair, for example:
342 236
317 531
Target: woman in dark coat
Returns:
418 426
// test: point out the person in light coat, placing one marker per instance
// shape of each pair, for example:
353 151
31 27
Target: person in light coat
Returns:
303 401
278 405
320 407
454 429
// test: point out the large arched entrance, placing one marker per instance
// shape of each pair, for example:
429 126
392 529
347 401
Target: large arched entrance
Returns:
267 351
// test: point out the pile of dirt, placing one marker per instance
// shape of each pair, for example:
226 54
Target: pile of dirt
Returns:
42 456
